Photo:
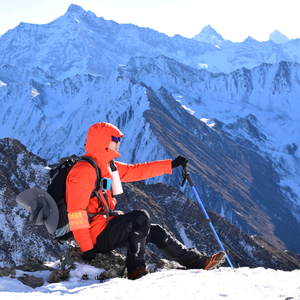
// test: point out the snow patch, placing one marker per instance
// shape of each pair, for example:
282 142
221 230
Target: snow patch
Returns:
2 84
34 93
186 241
203 66
188 109
209 122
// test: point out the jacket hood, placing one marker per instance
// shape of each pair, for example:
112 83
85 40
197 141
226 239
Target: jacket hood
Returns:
98 139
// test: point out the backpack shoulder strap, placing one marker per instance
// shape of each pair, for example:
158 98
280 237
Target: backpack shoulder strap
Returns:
97 187
98 172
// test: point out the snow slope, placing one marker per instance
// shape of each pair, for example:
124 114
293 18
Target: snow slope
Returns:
222 283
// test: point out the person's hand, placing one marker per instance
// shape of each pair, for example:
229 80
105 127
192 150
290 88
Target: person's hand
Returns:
89 255
179 161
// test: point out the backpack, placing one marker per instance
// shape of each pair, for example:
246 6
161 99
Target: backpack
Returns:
57 188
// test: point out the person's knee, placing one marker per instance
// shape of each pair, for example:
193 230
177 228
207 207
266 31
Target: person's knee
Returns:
142 217
141 224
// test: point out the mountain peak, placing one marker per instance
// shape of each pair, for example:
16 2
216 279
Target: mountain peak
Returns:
250 39
278 38
208 29
75 8
210 36
75 11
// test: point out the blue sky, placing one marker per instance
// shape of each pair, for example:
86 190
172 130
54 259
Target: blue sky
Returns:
235 20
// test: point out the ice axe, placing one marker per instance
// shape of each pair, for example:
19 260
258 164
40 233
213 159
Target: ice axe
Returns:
186 176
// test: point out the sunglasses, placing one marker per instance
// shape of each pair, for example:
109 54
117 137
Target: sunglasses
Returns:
116 139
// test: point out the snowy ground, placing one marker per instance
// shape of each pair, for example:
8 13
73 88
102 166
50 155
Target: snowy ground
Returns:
222 283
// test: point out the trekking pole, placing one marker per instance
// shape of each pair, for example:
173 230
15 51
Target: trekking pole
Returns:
186 175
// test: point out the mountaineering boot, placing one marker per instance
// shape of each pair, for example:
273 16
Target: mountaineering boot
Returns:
137 273
214 260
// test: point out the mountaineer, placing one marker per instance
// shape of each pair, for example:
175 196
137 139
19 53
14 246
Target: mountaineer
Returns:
131 230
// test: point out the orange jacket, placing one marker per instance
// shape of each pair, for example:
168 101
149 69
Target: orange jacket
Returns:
82 177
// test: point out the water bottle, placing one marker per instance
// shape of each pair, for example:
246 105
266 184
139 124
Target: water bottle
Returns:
116 182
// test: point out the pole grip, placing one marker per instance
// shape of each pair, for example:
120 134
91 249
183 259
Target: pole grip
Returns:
186 175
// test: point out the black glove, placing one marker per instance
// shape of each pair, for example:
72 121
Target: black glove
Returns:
89 255
179 161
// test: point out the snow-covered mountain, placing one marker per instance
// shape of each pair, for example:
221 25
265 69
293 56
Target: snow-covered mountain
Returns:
278 38
80 42
239 130
269 87
259 110
209 35
46 113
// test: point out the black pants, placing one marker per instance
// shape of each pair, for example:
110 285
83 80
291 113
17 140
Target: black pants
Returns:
134 230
